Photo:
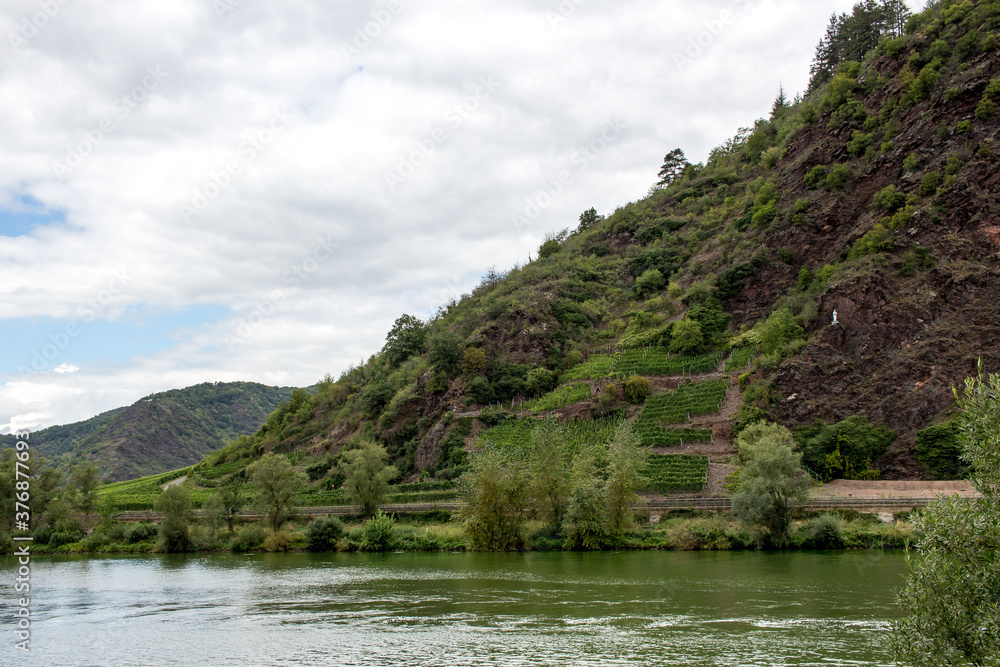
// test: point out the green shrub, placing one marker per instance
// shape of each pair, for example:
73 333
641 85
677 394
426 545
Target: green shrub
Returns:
280 541
481 391
963 127
939 449
930 183
879 239
540 381
838 177
378 533
986 109
815 177
911 163
779 329
826 532
765 215
323 533
636 388
925 83
650 282
846 449
250 537
142 532
549 248
890 199
859 143
687 337
805 279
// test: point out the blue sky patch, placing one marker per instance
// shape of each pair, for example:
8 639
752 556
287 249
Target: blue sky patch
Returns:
45 343
26 213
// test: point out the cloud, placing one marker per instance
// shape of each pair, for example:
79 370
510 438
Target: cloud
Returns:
120 115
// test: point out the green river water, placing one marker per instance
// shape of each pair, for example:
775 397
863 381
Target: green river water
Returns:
622 608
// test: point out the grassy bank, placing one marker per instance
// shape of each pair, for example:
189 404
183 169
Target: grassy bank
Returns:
440 531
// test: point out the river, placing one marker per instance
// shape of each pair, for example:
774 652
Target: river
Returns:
622 608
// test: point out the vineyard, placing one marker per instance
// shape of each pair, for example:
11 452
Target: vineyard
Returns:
567 394
651 434
740 358
672 473
645 361
576 433
676 407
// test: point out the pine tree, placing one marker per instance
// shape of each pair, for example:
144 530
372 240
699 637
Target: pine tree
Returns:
673 166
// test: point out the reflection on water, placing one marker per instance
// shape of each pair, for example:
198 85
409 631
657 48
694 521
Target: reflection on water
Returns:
632 608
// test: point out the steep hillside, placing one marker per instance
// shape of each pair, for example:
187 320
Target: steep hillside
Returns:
875 196
162 431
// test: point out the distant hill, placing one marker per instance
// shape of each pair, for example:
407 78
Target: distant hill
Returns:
162 431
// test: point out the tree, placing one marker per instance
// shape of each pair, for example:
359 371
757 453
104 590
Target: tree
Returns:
405 339
367 476
550 479
495 490
951 593
780 103
626 459
83 482
175 505
586 524
446 352
231 500
674 164
771 481
687 337
474 361
589 218
275 484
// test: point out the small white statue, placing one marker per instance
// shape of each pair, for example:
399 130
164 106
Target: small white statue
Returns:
835 318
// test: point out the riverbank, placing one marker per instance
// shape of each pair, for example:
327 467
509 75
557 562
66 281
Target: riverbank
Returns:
441 531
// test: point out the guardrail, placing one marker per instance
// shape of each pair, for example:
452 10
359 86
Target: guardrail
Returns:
666 504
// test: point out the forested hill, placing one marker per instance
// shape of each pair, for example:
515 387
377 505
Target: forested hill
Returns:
162 431
874 196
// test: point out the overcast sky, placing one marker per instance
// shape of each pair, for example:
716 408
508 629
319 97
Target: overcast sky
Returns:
217 190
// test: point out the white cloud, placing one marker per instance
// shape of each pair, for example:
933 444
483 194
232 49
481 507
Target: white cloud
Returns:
321 179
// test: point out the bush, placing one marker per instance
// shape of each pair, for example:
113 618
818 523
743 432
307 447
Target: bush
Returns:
687 337
323 533
481 391
765 215
939 449
279 541
911 163
890 199
826 532
378 533
540 381
847 449
815 177
838 177
549 248
637 388
141 532
930 183
586 526
650 282
986 109
250 537
859 143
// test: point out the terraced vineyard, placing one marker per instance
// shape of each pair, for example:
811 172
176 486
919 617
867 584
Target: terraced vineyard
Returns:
645 361
651 434
740 358
677 407
516 433
671 473
559 397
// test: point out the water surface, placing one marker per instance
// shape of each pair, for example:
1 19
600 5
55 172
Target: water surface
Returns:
626 608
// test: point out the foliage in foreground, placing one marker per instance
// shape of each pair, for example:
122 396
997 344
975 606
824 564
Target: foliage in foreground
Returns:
952 595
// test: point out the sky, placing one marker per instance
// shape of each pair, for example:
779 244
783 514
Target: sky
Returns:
219 190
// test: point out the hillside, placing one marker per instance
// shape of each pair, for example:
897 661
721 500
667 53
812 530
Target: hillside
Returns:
162 431
873 196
